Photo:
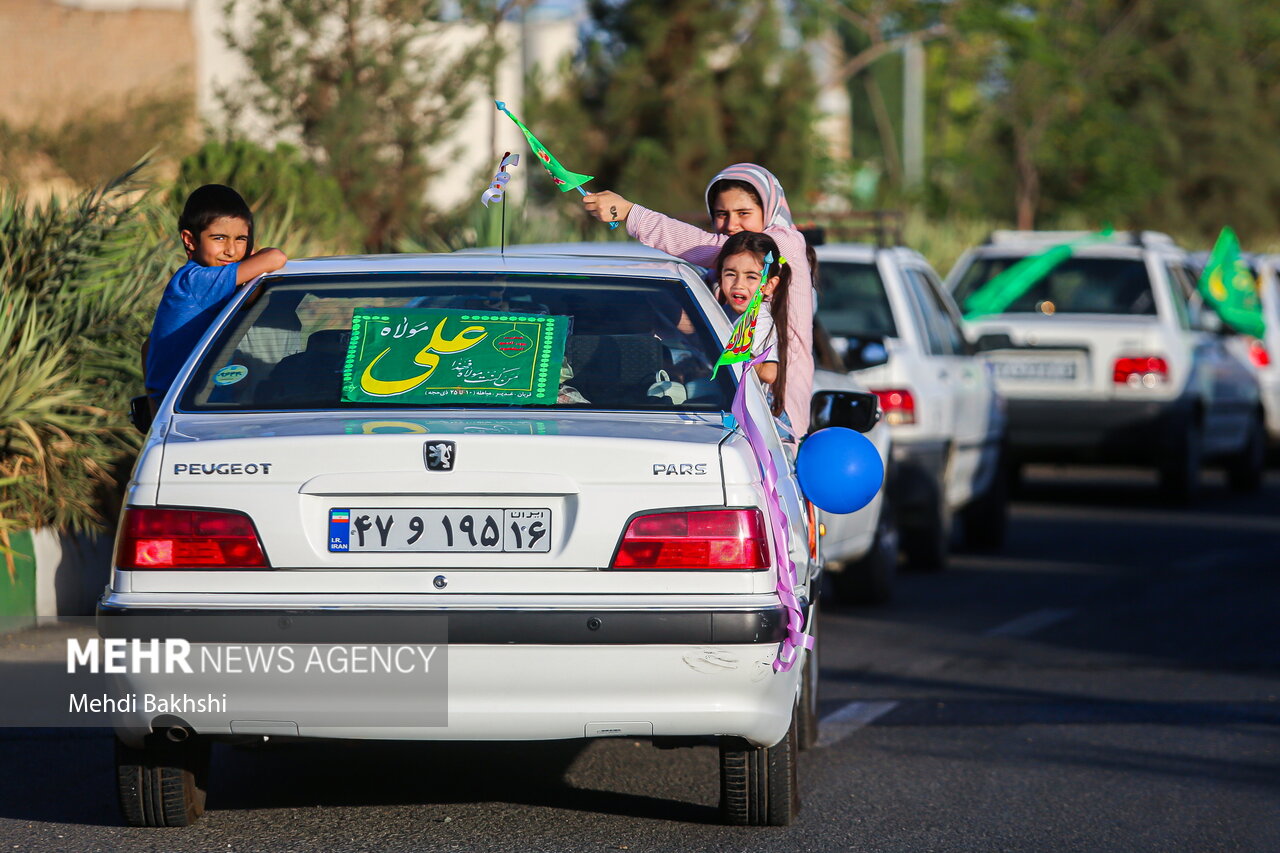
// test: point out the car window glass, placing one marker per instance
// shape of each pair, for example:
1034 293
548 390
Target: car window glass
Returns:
852 300
1176 274
631 343
925 310
948 326
1075 286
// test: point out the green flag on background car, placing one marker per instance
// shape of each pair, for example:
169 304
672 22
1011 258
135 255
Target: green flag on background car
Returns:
1228 286
1005 289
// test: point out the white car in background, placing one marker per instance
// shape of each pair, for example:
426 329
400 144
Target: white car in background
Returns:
605 563
860 550
1108 359
1260 354
898 331
1265 357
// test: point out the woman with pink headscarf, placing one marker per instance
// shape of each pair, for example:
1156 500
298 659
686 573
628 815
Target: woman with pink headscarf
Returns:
742 197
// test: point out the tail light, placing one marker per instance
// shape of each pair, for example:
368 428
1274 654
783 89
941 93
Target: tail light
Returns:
898 405
695 539
1143 371
188 539
1258 354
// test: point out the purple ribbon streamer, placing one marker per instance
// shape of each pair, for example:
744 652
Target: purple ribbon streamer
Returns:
796 637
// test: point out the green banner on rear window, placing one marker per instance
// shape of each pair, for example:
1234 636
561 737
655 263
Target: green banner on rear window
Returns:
439 356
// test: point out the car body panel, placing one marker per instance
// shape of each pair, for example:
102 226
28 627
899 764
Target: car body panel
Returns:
594 468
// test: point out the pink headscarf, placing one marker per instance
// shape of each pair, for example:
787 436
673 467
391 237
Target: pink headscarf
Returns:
772 198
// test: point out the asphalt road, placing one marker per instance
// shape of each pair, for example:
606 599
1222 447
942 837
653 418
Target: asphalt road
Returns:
1110 681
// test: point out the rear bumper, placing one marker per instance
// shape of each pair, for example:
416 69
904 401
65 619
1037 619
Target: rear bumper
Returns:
510 674
1110 431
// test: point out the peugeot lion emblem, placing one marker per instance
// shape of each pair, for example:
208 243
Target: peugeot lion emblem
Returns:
439 455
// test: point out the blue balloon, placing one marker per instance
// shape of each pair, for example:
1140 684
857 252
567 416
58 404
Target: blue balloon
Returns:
839 470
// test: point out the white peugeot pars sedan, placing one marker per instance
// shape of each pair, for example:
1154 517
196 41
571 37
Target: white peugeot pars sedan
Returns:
465 497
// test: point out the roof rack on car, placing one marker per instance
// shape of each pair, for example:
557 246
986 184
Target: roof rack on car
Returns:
1009 237
883 227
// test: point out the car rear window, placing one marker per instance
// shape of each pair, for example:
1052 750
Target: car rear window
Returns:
615 343
1075 286
852 301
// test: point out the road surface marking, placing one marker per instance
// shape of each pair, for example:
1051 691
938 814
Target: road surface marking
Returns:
1029 623
839 724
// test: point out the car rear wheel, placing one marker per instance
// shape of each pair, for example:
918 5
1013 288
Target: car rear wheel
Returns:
1180 472
926 546
1245 469
869 580
164 783
759 786
986 519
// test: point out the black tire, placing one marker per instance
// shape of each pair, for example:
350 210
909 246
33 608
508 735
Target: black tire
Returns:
926 546
1016 478
1180 472
164 783
986 518
1245 469
760 786
869 580
807 710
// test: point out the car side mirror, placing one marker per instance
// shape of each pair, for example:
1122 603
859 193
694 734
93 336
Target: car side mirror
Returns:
855 410
860 353
140 414
993 340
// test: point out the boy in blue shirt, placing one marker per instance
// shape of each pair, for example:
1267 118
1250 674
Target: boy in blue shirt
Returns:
217 230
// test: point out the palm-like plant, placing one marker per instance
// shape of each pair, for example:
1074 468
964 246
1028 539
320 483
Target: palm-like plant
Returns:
74 304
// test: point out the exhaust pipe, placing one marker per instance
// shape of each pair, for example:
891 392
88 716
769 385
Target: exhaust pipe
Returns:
178 734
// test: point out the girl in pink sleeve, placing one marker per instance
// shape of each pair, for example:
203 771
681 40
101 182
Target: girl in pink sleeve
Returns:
743 197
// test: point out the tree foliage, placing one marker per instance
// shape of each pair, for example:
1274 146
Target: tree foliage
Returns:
368 87
1153 113
668 92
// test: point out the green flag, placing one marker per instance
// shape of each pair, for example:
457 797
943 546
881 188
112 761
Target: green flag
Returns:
1004 289
560 176
744 328
1228 286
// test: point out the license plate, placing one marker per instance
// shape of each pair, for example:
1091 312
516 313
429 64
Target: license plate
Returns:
1062 370
501 530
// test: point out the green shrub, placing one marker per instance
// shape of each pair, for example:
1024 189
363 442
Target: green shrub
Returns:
279 184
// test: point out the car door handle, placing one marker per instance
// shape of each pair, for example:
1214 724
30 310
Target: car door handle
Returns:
942 374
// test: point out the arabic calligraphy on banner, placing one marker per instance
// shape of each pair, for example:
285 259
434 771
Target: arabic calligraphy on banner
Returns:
453 356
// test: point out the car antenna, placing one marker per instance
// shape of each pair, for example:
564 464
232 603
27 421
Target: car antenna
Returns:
495 193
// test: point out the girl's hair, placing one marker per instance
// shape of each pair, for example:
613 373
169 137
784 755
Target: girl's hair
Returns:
723 184
211 202
759 244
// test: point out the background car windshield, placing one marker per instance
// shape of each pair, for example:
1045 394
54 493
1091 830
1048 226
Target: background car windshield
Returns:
852 301
1076 286
631 343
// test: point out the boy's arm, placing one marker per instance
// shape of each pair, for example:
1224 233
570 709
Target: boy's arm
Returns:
259 263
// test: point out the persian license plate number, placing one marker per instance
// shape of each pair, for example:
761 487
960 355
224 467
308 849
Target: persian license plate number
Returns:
1063 370
399 530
